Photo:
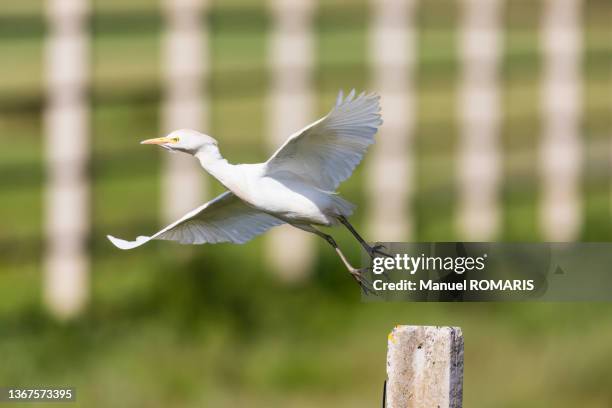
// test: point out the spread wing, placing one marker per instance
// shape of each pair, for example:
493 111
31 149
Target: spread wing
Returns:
326 152
226 218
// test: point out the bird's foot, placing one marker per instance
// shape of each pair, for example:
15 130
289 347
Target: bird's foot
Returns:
358 275
375 251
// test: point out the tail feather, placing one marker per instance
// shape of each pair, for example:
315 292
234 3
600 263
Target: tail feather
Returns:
342 206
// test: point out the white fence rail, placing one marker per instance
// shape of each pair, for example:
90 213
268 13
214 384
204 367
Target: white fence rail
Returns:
186 64
67 140
561 148
479 162
393 56
290 252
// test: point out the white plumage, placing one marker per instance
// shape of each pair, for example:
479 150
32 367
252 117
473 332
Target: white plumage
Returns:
223 219
326 152
296 185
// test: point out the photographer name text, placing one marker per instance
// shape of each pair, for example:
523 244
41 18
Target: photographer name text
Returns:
458 265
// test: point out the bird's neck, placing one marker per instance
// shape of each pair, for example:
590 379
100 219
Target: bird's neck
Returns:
218 167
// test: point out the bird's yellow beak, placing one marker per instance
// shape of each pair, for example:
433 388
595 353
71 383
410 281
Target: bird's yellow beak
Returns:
159 141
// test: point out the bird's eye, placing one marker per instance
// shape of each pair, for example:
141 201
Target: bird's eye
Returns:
175 140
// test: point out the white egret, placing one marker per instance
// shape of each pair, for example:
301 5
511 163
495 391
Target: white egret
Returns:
296 185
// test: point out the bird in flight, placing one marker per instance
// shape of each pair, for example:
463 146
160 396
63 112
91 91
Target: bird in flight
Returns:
297 185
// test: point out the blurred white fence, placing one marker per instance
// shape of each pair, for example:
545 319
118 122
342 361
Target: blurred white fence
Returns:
479 164
290 252
185 58
561 149
390 175
67 215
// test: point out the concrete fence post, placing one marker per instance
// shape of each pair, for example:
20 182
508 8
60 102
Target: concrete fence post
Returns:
424 367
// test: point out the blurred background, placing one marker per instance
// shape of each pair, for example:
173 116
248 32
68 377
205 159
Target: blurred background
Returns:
497 127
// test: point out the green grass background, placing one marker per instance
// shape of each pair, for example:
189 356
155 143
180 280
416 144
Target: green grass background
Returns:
209 326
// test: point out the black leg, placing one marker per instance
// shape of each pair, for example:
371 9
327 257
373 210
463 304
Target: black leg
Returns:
356 273
372 251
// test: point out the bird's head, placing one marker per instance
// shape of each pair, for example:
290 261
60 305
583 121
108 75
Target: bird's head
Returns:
184 140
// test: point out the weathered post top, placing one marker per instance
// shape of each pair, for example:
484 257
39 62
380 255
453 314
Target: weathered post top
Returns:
424 367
